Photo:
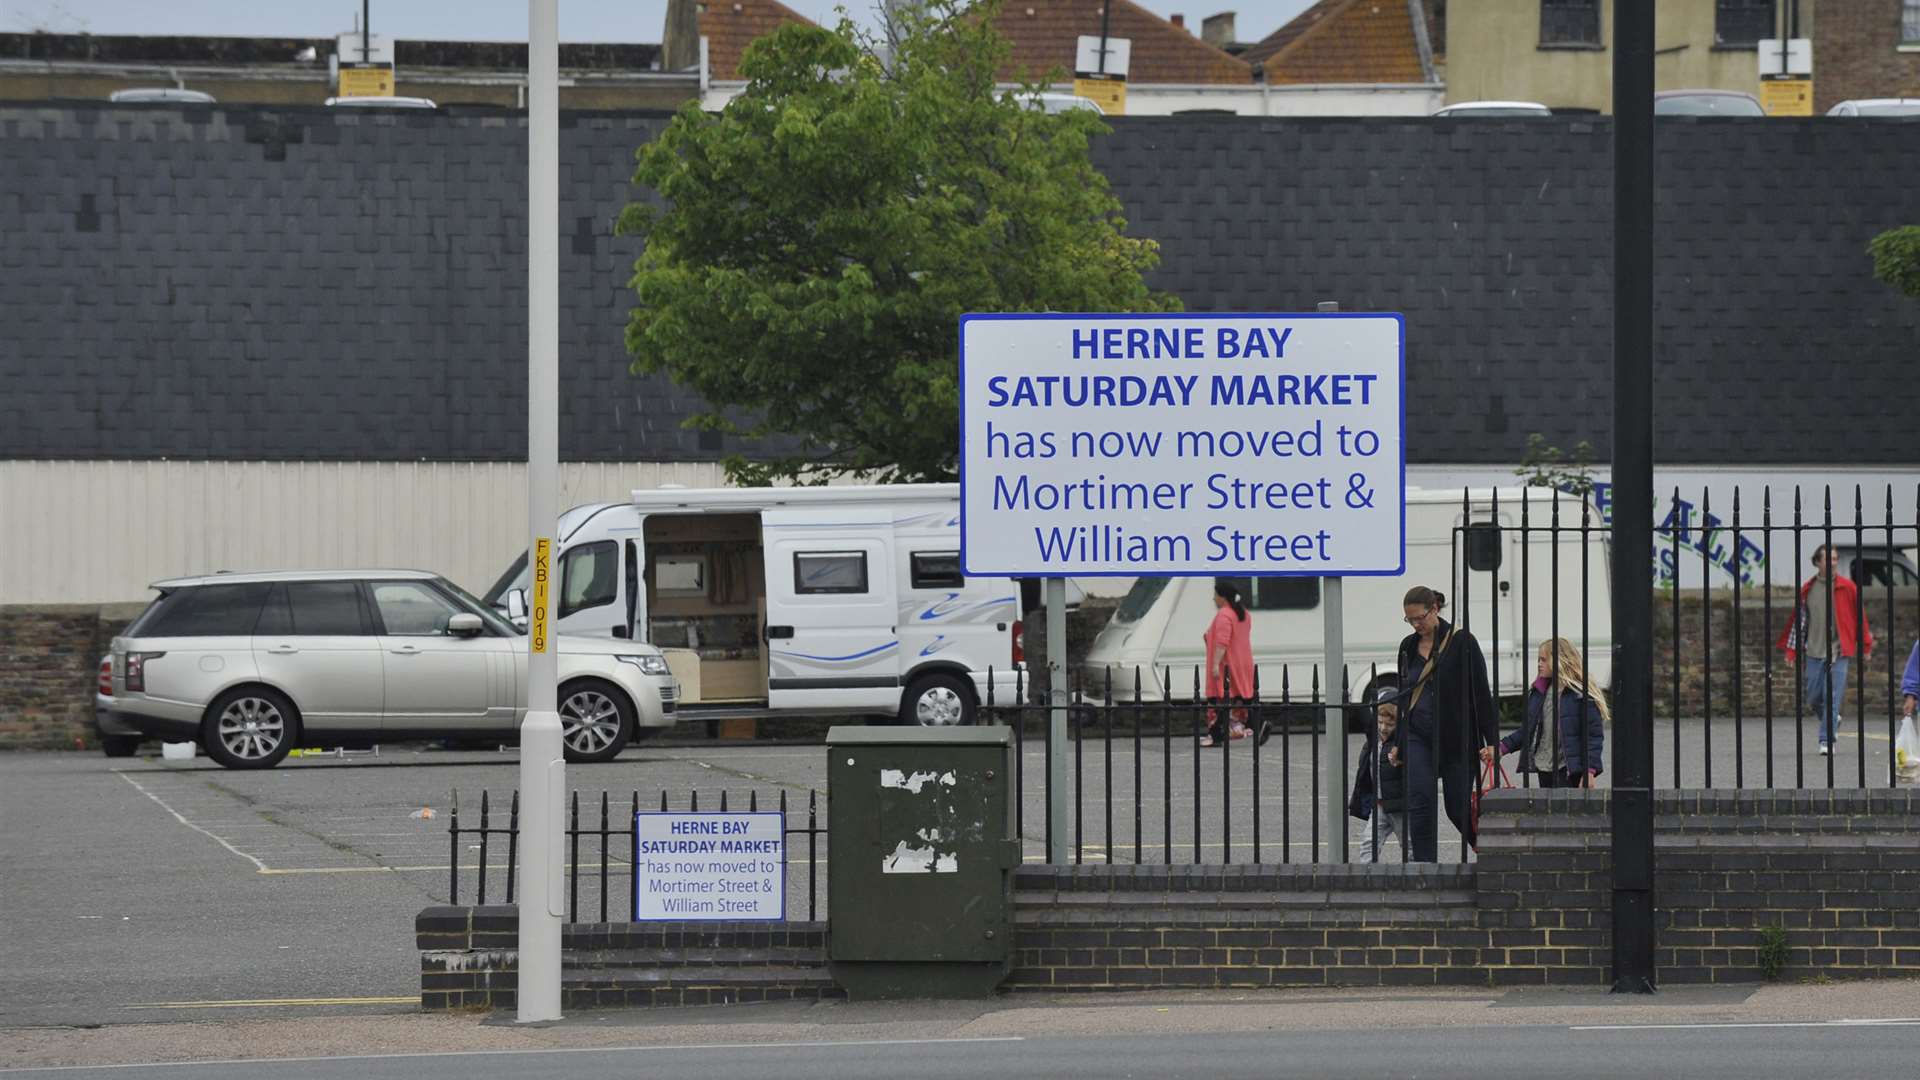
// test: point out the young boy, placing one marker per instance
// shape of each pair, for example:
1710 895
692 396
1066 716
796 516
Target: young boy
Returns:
1380 782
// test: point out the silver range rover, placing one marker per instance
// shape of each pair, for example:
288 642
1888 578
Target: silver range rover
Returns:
252 665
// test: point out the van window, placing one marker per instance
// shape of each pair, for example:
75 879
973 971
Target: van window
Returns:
829 572
1483 546
1279 594
209 611
937 570
587 576
1139 599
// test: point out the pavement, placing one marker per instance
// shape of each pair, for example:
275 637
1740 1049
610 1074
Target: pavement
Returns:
1832 1031
144 890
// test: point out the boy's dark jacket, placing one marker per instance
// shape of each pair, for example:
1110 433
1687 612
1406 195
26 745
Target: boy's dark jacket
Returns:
1393 783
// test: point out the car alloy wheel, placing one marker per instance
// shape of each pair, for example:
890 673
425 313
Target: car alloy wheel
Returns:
251 728
589 721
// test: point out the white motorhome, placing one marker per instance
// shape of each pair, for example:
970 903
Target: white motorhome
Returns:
1505 586
821 599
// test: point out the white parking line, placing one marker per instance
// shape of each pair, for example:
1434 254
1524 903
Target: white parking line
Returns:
258 865
557 1050
1897 1022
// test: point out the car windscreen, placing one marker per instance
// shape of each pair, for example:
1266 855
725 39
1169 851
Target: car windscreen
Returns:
1905 108
487 614
514 578
1139 599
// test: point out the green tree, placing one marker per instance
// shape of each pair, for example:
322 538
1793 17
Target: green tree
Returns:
821 237
1546 465
1896 259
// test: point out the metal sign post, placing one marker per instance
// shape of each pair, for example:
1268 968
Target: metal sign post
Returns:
1056 599
1334 632
543 767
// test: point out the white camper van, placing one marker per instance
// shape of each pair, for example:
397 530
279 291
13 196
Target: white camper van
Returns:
822 599
1457 546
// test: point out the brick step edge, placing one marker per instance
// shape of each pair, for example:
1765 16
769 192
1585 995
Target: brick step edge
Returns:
695 957
1238 915
766 977
1305 899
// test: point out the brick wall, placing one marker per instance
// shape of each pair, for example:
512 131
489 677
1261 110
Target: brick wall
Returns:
49 665
1856 54
468 960
1837 871
1895 628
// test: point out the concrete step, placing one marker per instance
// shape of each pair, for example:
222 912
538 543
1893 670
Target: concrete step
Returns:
697 957
628 987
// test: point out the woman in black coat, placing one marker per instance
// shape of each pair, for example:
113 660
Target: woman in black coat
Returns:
1446 707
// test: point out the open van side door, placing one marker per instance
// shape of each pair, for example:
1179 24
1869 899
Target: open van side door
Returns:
831 629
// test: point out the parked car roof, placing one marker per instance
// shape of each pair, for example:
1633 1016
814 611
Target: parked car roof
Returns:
1059 103
167 95
1495 108
1706 103
291 575
384 102
1877 107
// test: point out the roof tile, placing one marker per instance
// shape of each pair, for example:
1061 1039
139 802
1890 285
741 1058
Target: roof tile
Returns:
1343 41
1045 34
731 25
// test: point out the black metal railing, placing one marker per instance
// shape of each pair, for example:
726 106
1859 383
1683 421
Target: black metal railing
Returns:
1180 807
1716 679
1143 789
612 842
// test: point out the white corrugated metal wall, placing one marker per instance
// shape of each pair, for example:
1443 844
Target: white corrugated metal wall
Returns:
86 532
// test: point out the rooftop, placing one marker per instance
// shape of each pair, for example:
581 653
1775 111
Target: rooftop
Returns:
285 52
1344 41
1045 34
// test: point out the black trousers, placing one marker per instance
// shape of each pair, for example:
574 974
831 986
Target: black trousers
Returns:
1425 772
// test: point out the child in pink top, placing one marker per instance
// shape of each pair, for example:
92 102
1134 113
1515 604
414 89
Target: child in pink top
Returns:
1229 644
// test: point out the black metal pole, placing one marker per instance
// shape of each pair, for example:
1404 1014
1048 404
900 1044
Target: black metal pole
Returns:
366 30
1106 17
1633 937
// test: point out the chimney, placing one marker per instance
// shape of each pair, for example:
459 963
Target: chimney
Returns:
1178 20
680 38
1217 30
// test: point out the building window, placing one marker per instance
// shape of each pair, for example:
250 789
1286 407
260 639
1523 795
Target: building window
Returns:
1569 22
1742 23
1910 22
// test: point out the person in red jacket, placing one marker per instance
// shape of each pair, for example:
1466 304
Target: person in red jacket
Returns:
1829 629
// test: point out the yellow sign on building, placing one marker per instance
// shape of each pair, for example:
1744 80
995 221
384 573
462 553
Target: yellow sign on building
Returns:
1788 96
375 81
1109 93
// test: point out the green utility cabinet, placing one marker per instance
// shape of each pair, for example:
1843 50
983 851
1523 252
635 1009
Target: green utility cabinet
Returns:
920 860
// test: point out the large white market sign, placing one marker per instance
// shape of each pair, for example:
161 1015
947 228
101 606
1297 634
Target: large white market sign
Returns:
1231 444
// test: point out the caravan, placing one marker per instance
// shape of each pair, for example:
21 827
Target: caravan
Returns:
815 599
1512 589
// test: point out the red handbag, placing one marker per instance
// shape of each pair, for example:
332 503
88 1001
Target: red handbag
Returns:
1492 778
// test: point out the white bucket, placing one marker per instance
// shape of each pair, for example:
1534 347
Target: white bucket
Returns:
177 751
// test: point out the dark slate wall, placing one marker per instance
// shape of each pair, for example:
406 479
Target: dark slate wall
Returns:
247 283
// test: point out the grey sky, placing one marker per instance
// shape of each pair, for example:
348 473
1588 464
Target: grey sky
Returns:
482 20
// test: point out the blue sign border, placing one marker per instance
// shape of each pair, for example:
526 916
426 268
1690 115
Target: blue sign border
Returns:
779 816
1400 320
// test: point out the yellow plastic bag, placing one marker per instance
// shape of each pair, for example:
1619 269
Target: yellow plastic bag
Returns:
1906 747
